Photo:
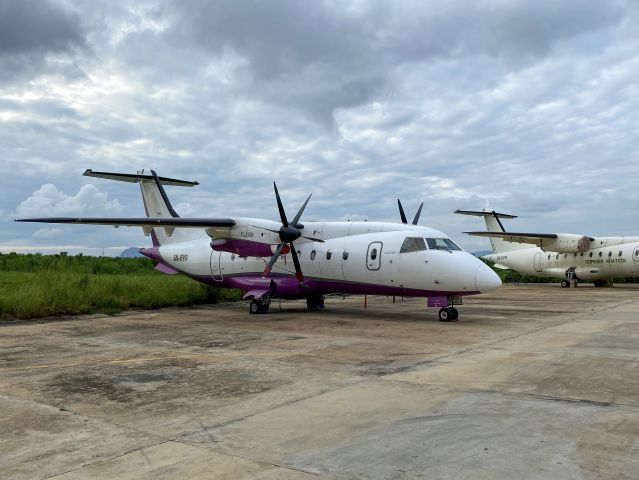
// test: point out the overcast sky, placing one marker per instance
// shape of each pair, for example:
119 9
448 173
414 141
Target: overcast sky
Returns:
527 107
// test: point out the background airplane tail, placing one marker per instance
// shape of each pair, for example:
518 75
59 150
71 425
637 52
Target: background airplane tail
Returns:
493 224
156 202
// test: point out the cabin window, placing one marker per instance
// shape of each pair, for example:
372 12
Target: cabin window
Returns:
574 255
581 254
620 253
329 254
441 244
549 256
313 255
233 257
412 244
609 254
590 254
373 254
600 254
345 255
557 257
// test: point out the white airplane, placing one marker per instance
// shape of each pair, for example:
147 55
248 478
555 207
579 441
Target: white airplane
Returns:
259 257
568 256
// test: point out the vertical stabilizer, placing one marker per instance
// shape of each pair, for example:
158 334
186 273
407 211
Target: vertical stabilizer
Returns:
156 201
493 224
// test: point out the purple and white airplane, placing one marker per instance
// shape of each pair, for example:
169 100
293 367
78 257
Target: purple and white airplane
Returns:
266 258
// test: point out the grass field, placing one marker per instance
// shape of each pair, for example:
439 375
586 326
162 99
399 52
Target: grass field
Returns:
34 286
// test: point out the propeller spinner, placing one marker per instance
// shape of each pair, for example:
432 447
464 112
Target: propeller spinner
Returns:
403 215
288 233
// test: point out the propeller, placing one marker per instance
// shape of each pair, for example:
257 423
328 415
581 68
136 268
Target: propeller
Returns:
403 215
288 233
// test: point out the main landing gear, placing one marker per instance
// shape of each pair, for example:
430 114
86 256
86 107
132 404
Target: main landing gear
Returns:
571 278
448 314
260 305
315 304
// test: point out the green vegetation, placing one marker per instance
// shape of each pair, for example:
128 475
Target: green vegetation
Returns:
36 285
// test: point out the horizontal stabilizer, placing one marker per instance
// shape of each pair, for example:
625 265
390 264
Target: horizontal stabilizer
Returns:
139 222
515 236
135 178
484 213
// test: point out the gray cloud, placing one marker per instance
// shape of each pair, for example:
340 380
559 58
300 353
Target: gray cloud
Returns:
528 107
37 35
28 25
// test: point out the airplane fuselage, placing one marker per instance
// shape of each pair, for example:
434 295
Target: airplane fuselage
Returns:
355 257
608 257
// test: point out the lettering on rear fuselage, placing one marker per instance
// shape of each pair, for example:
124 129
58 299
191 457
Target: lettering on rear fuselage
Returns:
246 234
180 257
607 260
501 257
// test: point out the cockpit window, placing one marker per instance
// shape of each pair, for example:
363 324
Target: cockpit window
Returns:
441 244
413 244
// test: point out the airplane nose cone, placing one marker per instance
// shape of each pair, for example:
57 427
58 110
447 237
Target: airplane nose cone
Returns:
486 280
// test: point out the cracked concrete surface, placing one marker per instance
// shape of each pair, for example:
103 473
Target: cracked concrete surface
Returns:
532 382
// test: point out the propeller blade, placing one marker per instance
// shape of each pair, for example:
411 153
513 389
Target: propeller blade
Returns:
401 212
299 214
296 262
313 239
273 259
280 207
419 212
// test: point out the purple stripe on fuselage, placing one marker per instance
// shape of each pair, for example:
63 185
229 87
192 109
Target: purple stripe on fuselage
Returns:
288 286
154 254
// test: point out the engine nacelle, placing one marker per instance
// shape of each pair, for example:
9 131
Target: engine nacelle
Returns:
565 243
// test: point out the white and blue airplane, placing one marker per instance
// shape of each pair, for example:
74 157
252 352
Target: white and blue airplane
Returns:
570 257
266 258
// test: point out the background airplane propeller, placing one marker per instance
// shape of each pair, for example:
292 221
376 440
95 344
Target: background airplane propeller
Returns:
288 232
403 215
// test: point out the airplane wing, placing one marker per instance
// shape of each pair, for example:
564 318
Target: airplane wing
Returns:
147 223
139 221
517 237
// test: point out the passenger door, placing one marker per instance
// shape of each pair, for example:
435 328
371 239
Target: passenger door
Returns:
216 271
537 262
374 256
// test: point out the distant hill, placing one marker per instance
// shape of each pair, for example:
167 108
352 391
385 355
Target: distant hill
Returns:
131 252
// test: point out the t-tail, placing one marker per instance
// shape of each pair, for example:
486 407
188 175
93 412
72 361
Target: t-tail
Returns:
493 224
156 201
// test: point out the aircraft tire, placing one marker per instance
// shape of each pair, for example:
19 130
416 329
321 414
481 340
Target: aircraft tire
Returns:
445 315
255 307
599 283
454 313
565 284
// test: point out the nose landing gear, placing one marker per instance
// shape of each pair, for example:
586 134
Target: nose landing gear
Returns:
448 314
